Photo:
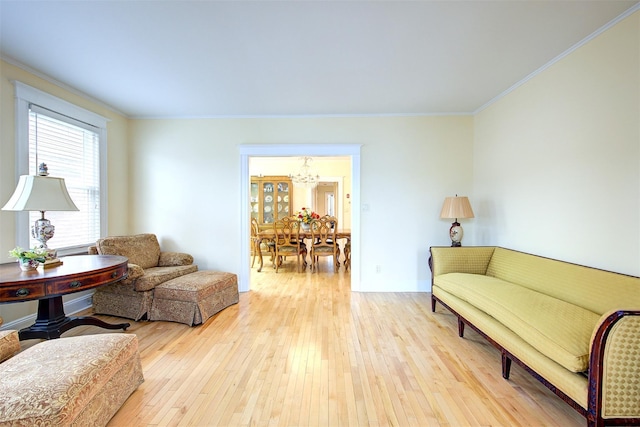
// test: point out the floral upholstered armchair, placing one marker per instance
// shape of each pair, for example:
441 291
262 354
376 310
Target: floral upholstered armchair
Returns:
148 267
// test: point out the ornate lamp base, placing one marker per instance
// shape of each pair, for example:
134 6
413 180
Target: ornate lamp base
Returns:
42 231
456 232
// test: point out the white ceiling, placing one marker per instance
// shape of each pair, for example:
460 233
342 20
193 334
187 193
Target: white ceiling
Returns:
179 58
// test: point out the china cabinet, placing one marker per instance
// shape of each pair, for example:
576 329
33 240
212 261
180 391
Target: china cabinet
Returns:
271 198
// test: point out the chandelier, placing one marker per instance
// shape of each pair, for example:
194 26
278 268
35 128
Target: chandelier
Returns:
304 177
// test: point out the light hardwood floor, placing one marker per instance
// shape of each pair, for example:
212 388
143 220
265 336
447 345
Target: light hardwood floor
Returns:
301 349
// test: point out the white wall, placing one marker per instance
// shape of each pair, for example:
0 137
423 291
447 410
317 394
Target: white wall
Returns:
186 178
557 161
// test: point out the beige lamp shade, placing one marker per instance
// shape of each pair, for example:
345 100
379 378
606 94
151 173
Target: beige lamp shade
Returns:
40 193
456 207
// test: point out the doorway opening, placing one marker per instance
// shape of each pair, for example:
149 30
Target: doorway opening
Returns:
325 198
351 151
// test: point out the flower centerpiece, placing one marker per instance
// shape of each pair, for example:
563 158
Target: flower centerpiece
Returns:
305 216
28 259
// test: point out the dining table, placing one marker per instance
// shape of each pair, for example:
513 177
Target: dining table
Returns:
268 234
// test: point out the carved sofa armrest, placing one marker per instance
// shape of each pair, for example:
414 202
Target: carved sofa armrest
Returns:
614 369
169 259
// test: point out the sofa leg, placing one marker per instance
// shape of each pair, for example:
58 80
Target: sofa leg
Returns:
433 304
460 327
595 423
506 365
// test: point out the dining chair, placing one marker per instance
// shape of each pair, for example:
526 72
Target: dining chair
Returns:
324 242
288 241
266 246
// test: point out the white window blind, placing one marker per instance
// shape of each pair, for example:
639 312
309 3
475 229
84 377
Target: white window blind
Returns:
71 150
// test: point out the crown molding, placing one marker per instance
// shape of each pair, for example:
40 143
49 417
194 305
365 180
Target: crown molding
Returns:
558 58
61 85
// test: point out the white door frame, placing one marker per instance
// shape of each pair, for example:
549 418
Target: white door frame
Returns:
339 181
284 150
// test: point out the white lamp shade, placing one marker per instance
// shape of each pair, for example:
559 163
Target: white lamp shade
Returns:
456 207
40 193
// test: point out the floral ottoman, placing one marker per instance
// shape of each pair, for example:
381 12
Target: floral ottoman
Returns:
194 297
74 381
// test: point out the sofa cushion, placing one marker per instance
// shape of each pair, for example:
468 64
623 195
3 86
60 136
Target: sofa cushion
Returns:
572 384
595 290
141 249
168 259
558 329
9 344
156 275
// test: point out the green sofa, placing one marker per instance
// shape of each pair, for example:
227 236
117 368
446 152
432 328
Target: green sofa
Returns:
575 328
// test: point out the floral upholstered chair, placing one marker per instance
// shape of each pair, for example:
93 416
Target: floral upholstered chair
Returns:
148 267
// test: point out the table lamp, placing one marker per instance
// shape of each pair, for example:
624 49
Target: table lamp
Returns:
456 207
41 193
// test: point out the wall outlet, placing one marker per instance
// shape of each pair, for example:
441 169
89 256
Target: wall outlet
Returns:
378 268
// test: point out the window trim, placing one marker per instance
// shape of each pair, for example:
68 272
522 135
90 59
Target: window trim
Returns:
26 95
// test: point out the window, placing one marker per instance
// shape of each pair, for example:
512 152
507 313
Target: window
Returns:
71 141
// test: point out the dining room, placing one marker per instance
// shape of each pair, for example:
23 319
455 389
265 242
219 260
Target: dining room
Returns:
290 186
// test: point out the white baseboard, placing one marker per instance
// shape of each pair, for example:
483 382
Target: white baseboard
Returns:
70 307
398 286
